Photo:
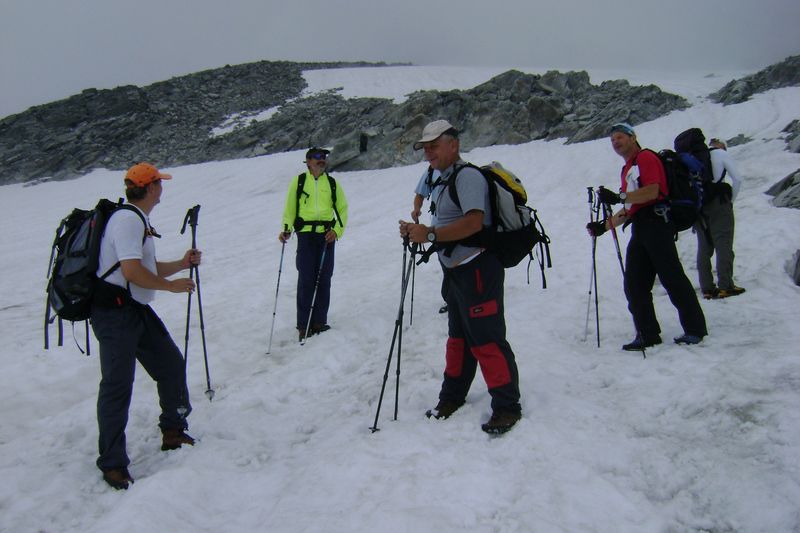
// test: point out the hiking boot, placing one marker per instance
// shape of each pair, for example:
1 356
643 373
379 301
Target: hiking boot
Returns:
688 339
500 422
443 309
316 329
173 438
444 409
726 293
711 294
118 478
640 343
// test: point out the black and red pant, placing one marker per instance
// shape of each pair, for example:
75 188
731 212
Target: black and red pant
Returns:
477 334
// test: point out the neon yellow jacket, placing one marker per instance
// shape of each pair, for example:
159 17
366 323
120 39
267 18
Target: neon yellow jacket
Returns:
315 204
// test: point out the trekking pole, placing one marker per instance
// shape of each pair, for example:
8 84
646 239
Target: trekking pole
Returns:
594 216
607 213
275 308
397 330
404 278
194 273
314 296
413 278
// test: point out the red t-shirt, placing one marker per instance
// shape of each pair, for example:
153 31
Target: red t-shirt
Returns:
641 170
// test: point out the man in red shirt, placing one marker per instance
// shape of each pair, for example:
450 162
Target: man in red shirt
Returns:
651 249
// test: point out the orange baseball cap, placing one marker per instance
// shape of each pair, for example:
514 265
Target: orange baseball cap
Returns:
143 174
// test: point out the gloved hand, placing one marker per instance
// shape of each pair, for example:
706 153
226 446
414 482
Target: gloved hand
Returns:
596 229
608 197
284 236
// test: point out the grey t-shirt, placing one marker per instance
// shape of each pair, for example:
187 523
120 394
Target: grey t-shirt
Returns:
473 194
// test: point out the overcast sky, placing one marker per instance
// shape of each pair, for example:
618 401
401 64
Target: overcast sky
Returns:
50 49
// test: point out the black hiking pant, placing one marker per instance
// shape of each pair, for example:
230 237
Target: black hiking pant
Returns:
477 334
309 261
126 334
652 252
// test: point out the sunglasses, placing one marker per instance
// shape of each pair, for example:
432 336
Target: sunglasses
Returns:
319 156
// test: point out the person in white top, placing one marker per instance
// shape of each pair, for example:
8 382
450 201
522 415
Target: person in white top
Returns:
128 329
715 231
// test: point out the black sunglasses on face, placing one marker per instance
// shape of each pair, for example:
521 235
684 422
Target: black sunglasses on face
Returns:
319 156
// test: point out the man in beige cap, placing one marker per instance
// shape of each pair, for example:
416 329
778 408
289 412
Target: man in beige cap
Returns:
473 283
129 330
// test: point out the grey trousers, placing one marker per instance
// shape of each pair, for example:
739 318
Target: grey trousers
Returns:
716 238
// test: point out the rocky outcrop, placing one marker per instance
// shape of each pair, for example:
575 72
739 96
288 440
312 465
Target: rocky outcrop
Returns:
793 136
511 108
167 123
171 123
783 74
787 191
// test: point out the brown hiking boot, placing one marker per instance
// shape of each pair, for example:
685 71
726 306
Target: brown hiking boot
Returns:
727 293
118 478
316 329
711 294
444 409
500 422
173 438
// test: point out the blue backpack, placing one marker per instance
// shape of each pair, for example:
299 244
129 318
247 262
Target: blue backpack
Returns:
685 184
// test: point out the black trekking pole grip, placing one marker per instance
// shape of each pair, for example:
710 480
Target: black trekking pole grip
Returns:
590 192
191 219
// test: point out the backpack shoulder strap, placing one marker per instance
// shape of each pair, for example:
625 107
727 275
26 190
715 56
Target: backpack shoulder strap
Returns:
332 183
301 182
127 207
451 181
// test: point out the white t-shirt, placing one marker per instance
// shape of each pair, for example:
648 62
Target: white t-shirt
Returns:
123 240
721 161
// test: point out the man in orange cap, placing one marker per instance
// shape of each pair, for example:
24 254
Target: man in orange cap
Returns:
129 330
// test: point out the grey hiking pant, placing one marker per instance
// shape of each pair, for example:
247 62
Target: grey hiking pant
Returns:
127 334
716 237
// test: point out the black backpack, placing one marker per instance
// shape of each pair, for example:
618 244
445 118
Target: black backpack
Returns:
693 141
684 181
299 223
515 228
72 269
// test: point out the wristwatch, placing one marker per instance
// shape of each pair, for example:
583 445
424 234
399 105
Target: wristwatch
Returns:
623 196
432 235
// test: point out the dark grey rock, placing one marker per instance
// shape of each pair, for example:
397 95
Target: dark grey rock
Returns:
783 74
794 268
170 123
738 140
786 191
793 137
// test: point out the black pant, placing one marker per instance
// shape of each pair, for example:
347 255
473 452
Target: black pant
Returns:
308 261
477 334
651 252
126 334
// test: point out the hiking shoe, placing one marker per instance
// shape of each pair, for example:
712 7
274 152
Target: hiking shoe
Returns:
711 294
318 328
688 339
726 293
118 478
173 438
639 343
444 409
500 422
443 309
